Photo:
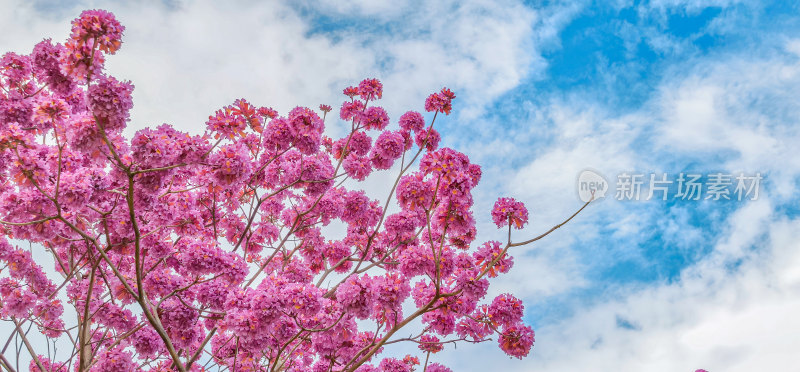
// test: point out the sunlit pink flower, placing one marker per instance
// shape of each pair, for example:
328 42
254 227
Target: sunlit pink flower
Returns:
516 340
370 89
440 102
508 210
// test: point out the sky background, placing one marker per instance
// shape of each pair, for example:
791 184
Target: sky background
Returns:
545 90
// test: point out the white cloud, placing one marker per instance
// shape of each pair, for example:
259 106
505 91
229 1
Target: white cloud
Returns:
715 317
744 106
730 311
189 59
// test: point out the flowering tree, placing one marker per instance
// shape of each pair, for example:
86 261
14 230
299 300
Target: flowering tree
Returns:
176 252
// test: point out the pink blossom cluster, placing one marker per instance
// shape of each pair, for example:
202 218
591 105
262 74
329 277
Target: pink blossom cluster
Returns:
508 211
27 293
177 250
110 101
440 102
94 32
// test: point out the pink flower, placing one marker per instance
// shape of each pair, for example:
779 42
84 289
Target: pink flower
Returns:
278 136
389 145
45 58
303 119
508 210
488 253
16 111
375 118
358 167
360 210
80 62
100 27
403 225
166 146
414 191
516 340
306 128
412 121
148 343
352 110
449 164
114 317
17 303
15 68
356 296
430 344
506 309
213 294
475 327
249 112
350 91
111 101
440 102
471 287
115 360
436 367
360 143
82 133
370 89
417 260
441 322
48 365
93 32
428 139
380 162
390 291
267 112
227 123
50 111
325 108
233 164
394 365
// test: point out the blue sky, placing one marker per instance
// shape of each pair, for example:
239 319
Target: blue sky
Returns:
545 90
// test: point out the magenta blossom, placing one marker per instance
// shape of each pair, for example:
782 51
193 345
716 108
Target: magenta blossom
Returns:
440 102
509 211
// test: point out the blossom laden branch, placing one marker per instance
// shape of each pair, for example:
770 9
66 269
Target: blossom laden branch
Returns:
176 248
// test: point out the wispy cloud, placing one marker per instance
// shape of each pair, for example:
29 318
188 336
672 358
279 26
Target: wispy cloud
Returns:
729 304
